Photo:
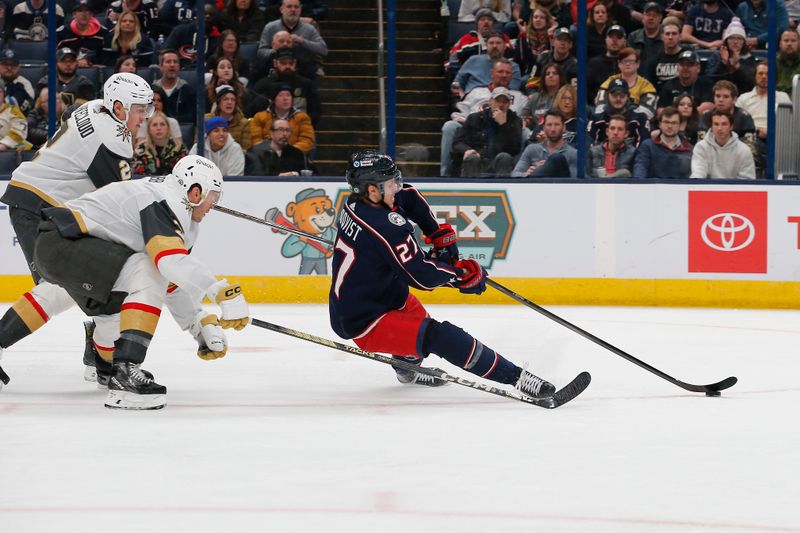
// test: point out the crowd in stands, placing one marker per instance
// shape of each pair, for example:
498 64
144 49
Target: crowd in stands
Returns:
263 74
675 88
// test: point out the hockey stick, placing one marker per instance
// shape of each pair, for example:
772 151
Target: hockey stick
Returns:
273 225
562 396
712 389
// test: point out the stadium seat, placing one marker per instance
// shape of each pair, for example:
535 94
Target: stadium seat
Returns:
148 73
9 159
190 75
30 52
249 51
94 74
187 132
33 73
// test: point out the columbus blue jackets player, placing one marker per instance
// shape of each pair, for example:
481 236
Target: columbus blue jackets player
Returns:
376 259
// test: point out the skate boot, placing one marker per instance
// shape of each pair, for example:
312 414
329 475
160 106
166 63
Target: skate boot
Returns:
409 377
534 386
130 388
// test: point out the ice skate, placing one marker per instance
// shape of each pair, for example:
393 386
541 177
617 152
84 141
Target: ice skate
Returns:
409 377
130 388
534 386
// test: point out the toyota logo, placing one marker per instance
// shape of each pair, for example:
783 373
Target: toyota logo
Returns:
728 232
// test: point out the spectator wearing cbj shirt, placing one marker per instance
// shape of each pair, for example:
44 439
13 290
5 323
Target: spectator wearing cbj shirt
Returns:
704 24
668 154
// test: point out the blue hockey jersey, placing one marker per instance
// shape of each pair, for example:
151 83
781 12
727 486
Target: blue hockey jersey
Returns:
377 258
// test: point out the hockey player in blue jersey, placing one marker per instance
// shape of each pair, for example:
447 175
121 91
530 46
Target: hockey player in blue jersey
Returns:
377 258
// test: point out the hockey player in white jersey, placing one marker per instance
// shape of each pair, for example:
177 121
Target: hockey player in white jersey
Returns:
91 149
115 250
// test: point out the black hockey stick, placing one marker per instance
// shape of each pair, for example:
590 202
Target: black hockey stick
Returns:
712 389
4 377
562 396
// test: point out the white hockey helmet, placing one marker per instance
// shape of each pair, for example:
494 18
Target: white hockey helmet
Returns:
196 170
129 89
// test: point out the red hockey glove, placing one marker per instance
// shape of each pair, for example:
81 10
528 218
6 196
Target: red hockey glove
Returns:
444 241
472 279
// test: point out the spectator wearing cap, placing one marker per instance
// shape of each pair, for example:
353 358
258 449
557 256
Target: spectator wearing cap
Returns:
553 157
788 59
720 155
85 35
647 39
533 39
221 148
704 24
489 139
500 9
181 99
305 96
614 157
663 65
753 14
18 87
302 136
688 81
277 157
618 102
158 152
29 20
642 92
75 88
597 23
145 10
307 44
560 54
227 106
476 41
477 71
600 68
733 61
13 126
127 38
183 38
666 155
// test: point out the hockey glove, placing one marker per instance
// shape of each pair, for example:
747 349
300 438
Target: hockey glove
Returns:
472 279
210 337
444 241
231 303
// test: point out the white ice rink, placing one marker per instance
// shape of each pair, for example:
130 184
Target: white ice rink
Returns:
286 436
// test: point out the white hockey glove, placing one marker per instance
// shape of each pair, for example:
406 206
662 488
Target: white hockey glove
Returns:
231 303
211 341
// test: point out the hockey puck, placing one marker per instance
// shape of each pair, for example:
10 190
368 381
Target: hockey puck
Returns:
713 393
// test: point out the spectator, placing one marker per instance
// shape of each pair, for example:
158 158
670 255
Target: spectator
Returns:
689 116
533 40
788 59
159 97
284 72
597 23
755 101
499 9
221 148
38 122
663 65
641 90
302 136
13 126
705 23
228 106
476 72
720 155
127 39
125 63
228 47
183 38
277 157
599 68
181 98
74 87
725 95
489 139
668 155
29 20
566 102
618 103
733 61
619 13
85 35
553 157
306 66
523 9
753 14
614 157
544 97
688 81
475 101
173 13
244 19
307 43
17 87
647 39
145 10
224 73
474 42
159 151
561 55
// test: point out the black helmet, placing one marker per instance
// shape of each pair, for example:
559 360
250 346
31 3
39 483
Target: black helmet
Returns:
370 166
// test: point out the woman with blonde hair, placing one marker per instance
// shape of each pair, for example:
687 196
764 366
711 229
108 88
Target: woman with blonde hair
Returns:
159 151
127 38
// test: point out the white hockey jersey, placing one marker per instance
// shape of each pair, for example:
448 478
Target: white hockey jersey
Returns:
90 150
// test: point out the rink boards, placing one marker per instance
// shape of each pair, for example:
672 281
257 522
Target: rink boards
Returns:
617 243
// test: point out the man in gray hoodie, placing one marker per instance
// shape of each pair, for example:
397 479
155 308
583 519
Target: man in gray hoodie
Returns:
721 155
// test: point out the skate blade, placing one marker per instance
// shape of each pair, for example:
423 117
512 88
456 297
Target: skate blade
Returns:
90 374
128 400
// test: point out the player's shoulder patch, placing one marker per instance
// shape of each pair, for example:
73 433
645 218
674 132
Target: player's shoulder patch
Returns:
397 219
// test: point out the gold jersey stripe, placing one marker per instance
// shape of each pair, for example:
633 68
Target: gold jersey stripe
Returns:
37 192
159 244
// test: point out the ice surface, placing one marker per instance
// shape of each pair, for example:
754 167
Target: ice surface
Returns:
286 436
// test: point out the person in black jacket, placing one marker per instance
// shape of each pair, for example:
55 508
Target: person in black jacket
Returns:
489 139
278 157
